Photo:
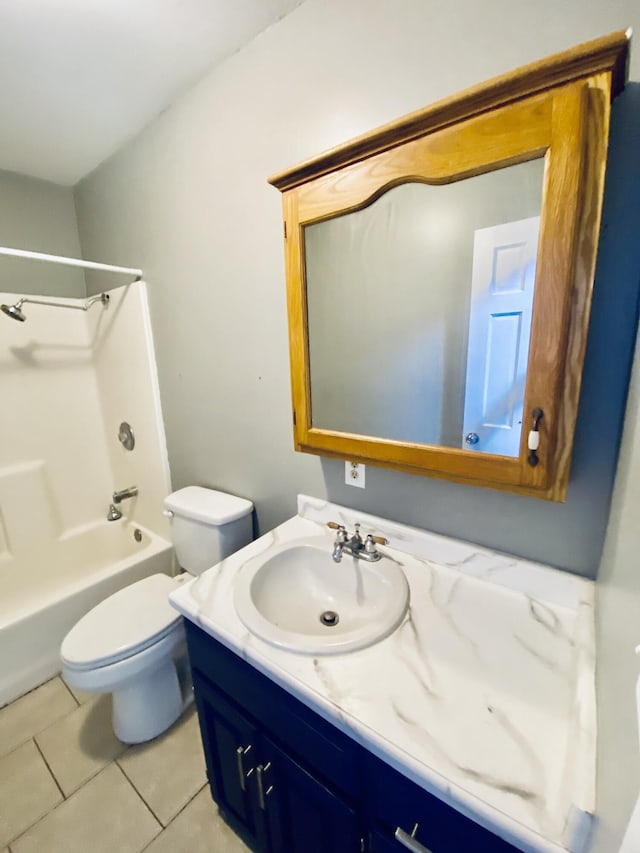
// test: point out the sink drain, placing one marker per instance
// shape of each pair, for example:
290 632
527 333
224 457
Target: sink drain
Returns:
330 618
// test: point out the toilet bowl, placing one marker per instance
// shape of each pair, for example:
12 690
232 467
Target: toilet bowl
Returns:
128 645
133 643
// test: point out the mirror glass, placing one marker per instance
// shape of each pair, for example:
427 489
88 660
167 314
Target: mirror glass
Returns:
419 311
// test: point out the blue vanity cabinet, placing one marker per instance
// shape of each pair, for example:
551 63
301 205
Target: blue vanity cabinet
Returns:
283 778
290 782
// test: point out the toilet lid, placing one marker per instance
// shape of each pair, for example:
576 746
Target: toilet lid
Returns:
128 621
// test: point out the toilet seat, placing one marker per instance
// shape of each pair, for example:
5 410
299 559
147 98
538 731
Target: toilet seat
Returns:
124 624
129 670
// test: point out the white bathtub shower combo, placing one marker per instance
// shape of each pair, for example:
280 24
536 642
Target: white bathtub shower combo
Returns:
70 378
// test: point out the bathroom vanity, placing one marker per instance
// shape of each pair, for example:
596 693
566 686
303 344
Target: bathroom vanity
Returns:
288 781
474 718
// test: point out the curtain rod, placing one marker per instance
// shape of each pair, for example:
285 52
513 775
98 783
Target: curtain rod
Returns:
69 262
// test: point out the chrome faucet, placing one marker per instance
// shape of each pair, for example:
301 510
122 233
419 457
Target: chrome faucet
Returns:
354 545
122 495
339 544
114 513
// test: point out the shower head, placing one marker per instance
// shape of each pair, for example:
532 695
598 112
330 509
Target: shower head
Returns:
14 311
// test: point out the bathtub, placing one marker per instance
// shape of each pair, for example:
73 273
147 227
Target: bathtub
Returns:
46 591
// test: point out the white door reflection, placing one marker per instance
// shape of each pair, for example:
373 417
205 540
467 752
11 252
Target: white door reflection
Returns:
502 284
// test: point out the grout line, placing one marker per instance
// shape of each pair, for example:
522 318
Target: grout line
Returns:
68 689
116 762
175 816
53 775
56 807
40 819
33 734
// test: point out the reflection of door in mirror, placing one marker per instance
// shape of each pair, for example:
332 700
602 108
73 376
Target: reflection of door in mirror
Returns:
502 282
389 290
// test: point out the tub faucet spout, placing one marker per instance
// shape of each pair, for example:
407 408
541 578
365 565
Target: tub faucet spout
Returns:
122 495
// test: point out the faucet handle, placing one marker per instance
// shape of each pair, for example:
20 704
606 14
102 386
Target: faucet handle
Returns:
341 532
370 545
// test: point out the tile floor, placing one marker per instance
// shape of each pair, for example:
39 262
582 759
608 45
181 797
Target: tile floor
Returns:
67 785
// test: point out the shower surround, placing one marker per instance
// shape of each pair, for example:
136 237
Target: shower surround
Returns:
67 380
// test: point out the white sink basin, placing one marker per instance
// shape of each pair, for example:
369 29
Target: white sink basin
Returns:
291 595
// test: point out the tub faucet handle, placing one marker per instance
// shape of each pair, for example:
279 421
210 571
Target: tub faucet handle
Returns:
114 513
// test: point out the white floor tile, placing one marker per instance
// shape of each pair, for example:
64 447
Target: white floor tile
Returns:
168 771
79 745
32 713
198 829
104 813
27 791
104 816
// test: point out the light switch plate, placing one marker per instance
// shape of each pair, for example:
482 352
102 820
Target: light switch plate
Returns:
354 474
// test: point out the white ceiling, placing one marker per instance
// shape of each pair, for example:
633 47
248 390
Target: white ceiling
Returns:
81 77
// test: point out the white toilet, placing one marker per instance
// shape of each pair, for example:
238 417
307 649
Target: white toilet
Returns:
133 643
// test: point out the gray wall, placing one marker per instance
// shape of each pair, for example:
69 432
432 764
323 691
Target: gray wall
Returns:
40 217
189 202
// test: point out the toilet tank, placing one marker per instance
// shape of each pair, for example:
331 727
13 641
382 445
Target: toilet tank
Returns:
207 526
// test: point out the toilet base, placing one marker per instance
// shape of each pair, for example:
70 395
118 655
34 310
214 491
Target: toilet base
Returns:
147 705
150 689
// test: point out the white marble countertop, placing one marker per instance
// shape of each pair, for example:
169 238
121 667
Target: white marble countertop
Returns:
485 693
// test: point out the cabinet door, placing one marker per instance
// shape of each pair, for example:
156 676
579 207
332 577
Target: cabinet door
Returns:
230 745
302 815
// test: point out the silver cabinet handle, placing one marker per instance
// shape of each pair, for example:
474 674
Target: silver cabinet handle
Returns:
240 753
262 792
472 438
409 841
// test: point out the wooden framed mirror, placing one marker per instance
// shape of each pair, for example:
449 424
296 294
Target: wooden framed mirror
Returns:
439 275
